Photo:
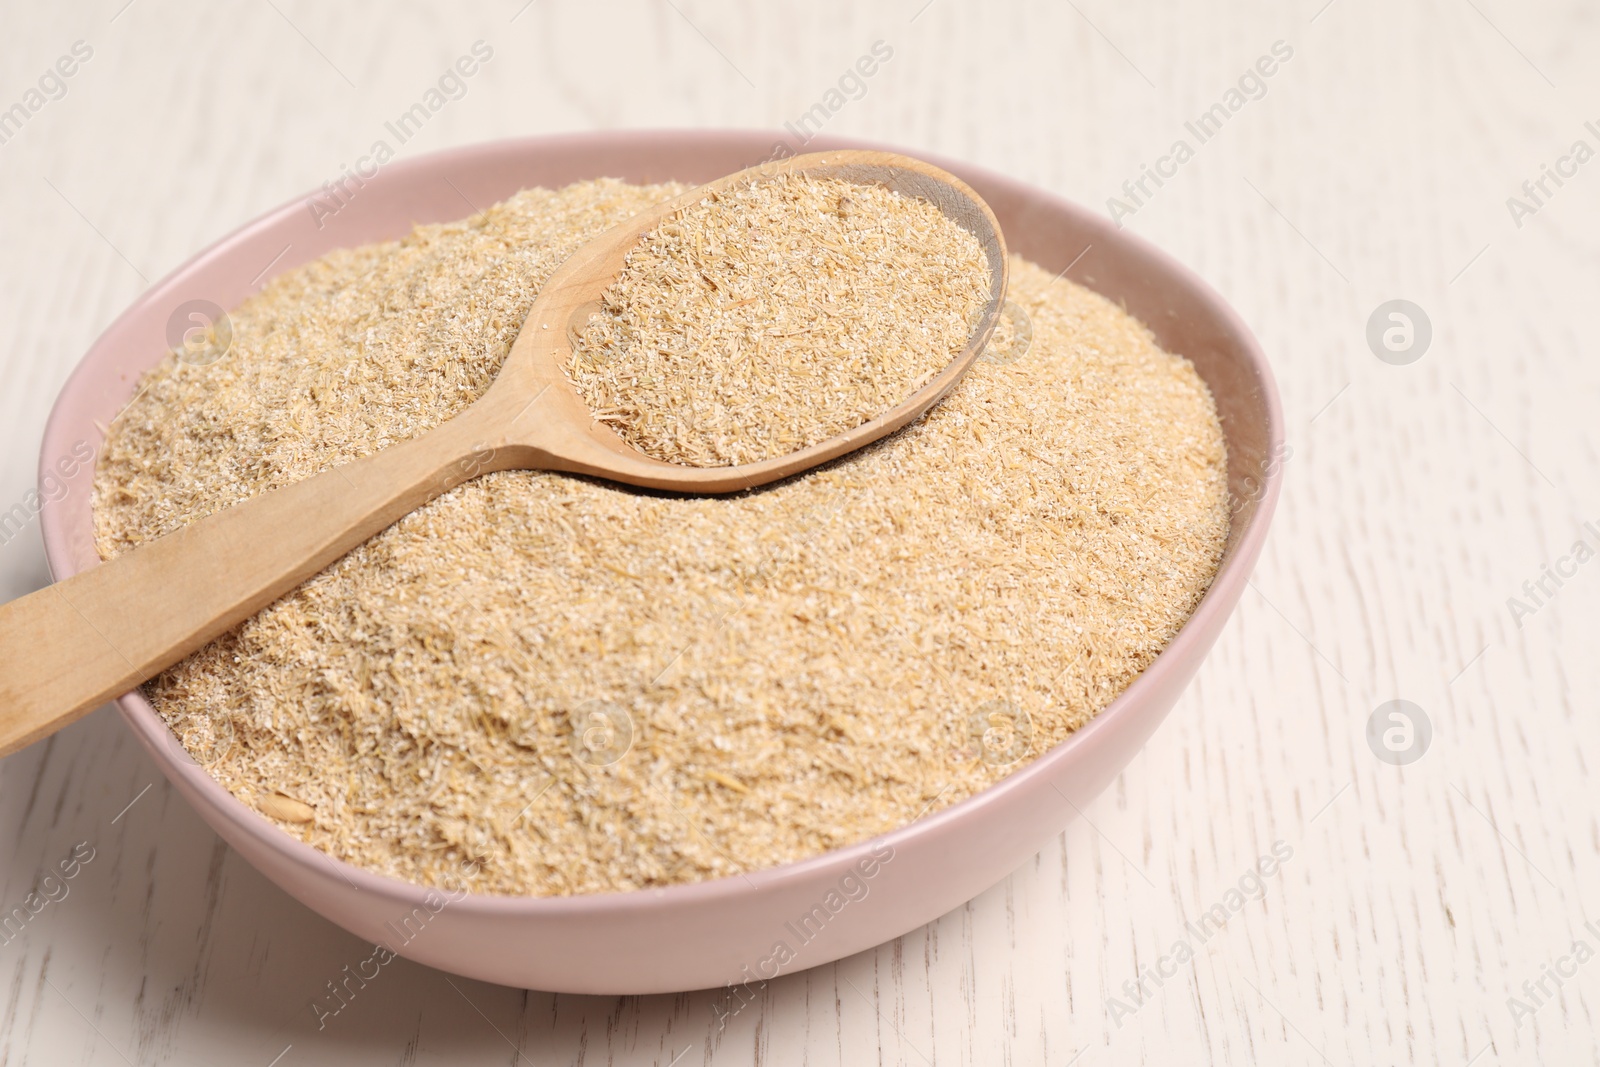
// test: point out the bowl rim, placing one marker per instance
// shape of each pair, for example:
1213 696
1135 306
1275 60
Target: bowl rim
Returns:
1233 572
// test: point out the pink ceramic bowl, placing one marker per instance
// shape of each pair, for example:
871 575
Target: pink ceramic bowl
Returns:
725 931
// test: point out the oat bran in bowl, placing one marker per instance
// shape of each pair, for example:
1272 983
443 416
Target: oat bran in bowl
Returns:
702 916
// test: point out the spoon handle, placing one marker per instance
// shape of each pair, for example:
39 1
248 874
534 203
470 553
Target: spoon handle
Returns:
71 646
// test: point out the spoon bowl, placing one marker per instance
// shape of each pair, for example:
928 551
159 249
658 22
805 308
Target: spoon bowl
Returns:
68 648
557 425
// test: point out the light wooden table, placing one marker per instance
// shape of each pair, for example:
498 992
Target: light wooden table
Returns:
1376 165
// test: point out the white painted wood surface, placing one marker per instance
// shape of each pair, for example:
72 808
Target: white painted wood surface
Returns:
1419 498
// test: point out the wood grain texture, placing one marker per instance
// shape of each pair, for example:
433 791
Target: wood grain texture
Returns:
1375 165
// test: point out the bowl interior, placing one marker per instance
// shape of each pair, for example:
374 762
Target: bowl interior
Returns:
1186 316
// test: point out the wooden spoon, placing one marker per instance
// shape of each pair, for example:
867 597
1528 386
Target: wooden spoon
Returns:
68 648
